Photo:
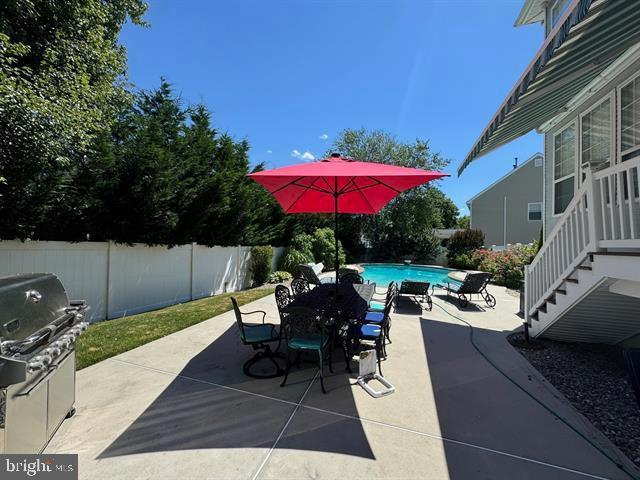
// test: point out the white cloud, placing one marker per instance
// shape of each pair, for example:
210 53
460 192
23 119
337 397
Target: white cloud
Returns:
324 136
269 152
306 156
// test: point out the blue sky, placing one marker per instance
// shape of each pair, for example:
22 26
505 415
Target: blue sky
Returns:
288 75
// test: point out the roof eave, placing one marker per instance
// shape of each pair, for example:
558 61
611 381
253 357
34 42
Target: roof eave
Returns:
532 12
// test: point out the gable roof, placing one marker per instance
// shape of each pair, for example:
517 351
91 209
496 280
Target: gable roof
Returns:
506 175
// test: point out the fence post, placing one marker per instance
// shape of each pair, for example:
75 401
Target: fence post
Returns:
108 275
193 244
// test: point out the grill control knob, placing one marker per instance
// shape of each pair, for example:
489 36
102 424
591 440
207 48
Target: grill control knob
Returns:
43 359
52 350
64 342
34 366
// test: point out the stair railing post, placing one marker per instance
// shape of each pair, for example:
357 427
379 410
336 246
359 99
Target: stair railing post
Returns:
593 208
527 293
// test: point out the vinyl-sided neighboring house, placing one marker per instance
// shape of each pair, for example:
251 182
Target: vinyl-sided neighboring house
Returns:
509 210
582 91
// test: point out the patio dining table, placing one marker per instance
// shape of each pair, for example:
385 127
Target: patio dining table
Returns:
351 307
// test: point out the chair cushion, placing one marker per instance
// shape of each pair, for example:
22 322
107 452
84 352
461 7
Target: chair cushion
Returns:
376 306
260 333
328 280
370 331
374 317
306 343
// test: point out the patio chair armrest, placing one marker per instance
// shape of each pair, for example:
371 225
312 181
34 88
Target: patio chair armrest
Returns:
272 325
264 314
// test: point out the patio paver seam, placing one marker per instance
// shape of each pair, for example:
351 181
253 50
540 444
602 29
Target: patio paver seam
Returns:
352 417
206 382
286 425
453 441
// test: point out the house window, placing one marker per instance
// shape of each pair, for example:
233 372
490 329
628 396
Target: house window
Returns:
534 211
630 118
564 166
595 137
558 9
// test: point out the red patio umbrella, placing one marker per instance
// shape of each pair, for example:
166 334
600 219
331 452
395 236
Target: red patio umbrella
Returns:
340 185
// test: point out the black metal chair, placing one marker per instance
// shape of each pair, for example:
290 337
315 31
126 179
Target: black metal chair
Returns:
473 284
376 329
309 274
259 336
377 304
283 298
417 290
299 285
352 278
344 270
306 331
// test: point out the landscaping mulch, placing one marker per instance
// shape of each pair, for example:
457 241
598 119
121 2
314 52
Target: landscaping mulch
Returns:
593 378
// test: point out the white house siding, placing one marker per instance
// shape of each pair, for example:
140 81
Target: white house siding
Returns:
514 191
119 280
550 219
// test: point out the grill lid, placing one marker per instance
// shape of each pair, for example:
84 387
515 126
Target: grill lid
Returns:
29 302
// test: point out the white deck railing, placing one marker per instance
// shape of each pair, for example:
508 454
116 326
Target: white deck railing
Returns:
613 222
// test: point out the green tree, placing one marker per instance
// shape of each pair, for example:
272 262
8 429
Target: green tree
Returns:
463 222
404 228
62 84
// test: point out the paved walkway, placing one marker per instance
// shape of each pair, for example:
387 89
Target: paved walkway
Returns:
180 407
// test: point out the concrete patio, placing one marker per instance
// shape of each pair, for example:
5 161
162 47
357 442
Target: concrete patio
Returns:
180 407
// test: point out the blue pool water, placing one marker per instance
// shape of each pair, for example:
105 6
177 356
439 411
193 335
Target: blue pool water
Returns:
382 274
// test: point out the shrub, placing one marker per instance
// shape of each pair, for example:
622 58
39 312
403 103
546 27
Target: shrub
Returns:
303 242
324 249
506 265
279 277
464 241
291 259
261 257
465 261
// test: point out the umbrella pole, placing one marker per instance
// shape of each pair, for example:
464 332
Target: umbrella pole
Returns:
335 228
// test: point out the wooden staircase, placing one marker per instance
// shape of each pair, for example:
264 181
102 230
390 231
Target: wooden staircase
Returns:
595 242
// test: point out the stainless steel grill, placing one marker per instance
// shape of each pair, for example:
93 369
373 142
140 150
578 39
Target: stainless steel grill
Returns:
38 329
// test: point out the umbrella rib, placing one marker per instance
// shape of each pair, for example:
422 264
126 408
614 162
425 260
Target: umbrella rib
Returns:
331 189
304 190
292 182
347 185
388 186
313 187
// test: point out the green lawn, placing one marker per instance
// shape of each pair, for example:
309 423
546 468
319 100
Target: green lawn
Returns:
106 339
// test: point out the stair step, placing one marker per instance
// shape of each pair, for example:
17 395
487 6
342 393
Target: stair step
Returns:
551 299
543 308
571 280
584 267
535 315
618 254
561 291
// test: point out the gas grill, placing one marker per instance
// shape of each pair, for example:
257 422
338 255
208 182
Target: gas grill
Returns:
38 329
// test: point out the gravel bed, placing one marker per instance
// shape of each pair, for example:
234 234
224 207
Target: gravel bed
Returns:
593 378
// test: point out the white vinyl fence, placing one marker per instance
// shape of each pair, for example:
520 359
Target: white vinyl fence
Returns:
118 280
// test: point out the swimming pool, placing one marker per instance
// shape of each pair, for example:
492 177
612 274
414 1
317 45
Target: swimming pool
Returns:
383 273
